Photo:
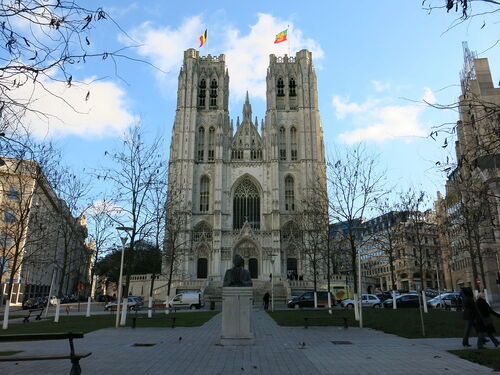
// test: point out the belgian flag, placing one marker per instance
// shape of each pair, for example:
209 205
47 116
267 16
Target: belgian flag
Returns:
203 38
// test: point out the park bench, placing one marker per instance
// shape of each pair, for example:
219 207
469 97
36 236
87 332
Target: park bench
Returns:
309 320
74 357
34 312
135 318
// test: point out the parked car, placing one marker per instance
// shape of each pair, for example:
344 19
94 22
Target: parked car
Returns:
307 300
443 300
367 300
404 300
133 303
191 300
384 294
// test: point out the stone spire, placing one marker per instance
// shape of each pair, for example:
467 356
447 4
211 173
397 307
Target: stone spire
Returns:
247 110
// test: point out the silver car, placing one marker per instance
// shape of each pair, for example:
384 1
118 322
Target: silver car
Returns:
367 300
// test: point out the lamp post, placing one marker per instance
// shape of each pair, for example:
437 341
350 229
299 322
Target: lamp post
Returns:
272 282
123 234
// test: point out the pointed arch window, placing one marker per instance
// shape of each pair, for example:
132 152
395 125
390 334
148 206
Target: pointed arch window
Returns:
213 94
202 92
211 143
282 143
292 86
201 143
289 194
204 194
280 87
246 205
293 143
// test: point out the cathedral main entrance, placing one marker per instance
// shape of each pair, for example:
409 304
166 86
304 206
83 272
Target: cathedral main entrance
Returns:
250 254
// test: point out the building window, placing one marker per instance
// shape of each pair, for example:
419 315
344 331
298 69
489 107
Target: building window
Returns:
293 143
289 194
282 144
13 193
281 87
211 144
5 240
9 216
202 92
204 193
246 205
292 86
201 142
213 94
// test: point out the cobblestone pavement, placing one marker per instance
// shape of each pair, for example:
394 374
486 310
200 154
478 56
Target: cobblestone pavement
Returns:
276 351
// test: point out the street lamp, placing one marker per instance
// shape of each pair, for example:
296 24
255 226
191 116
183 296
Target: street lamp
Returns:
272 282
123 234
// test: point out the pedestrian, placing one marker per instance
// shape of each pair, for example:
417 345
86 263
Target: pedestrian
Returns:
266 301
484 322
469 314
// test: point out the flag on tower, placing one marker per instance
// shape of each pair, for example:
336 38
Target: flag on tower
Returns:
281 37
203 38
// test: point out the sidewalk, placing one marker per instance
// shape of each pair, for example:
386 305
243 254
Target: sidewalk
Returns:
276 351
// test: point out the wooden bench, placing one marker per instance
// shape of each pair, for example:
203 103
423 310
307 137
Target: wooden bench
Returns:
74 357
38 316
323 319
135 318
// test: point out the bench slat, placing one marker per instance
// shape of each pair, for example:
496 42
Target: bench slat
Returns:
43 358
41 336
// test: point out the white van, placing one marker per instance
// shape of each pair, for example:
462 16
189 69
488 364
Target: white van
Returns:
191 300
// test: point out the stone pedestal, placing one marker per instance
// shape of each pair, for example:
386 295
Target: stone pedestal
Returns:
236 310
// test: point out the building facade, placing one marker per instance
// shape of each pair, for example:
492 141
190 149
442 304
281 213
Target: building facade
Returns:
242 182
469 212
411 243
40 242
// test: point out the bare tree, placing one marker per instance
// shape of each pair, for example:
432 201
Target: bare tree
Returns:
312 226
43 41
178 216
99 216
355 185
137 172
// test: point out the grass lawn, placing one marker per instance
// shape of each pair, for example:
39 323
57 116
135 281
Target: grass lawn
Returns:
488 357
401 322
78 323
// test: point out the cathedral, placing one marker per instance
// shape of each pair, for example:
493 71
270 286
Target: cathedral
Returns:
242 182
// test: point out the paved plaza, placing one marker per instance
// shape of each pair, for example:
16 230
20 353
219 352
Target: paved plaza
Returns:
277 350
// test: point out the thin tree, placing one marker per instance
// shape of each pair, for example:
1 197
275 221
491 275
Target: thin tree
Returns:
135 174
355 185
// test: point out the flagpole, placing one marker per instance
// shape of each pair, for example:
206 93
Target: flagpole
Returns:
288 39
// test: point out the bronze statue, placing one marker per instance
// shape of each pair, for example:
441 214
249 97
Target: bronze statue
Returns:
237 276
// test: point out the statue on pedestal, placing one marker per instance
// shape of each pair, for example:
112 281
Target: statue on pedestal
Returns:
237 276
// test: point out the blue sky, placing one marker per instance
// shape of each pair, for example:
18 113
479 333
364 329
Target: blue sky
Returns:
375 61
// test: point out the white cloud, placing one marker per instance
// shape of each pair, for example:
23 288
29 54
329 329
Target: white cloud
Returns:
247 54
165 46
380 86
382 122
57 110
343 107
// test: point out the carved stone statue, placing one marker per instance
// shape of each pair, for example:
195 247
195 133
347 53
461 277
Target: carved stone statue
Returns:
237 276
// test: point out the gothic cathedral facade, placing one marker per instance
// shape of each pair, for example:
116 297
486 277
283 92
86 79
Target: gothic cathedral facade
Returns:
242 187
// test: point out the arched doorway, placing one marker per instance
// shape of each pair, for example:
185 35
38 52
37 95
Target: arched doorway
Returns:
253 267
250 254
202 268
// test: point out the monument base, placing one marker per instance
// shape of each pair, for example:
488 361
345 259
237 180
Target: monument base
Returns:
236 310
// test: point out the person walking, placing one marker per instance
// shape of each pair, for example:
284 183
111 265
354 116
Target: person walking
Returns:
484 322
266 301
469 314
